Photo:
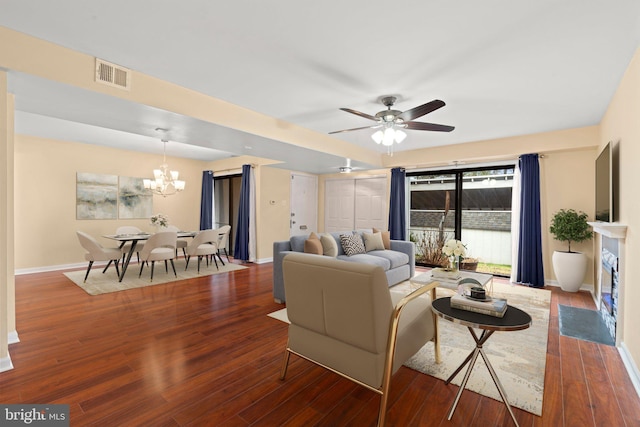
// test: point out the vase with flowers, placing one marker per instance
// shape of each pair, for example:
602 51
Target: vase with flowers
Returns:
455 250
159 221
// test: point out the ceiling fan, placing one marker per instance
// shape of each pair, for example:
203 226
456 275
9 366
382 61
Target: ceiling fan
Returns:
395 120
347 168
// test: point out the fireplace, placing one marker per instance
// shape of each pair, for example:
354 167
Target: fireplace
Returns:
609 283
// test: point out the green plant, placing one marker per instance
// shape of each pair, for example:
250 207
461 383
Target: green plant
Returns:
567 225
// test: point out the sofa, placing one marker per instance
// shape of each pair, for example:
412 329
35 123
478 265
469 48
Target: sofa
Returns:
398 262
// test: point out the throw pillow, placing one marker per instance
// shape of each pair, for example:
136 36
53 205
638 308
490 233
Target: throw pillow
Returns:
386 238
373 241
352 244
313 245
329 245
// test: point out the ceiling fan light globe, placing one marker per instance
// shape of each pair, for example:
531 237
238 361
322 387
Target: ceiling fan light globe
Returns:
389 135
400 136
377 136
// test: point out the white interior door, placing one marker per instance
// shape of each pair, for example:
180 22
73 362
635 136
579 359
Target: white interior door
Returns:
371 203
339 205
304 204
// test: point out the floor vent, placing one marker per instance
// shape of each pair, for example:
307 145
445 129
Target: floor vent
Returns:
112 74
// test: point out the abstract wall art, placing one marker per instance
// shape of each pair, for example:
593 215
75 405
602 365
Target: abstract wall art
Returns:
96 196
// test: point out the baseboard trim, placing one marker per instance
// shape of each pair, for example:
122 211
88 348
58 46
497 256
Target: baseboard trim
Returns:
12 337
5 364
584 287
632 368
55 268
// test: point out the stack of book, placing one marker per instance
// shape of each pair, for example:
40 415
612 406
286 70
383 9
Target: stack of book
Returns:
492 306
446 275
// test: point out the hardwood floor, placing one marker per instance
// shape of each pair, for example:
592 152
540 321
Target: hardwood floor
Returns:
203 352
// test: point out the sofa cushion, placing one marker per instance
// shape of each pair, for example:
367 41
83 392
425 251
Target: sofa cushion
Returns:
329 245
395 258
373 241
368 259
352 244
313 245
386 237
297 243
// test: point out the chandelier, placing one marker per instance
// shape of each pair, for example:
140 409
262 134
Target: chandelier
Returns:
165 182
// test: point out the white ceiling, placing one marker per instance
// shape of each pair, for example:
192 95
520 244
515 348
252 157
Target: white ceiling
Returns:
503 67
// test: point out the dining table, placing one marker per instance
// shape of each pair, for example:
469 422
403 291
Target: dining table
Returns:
134 239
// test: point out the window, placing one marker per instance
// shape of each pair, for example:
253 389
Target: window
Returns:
472 205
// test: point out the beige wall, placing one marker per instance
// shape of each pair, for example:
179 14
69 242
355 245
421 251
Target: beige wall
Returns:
621 125
567 175
45 188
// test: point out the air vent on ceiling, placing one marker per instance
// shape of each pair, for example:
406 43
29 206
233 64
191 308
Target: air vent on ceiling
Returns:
112 74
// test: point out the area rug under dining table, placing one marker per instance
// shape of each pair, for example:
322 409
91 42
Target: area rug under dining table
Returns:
519 357
99 283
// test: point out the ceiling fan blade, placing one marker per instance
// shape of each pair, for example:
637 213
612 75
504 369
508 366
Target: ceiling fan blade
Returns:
421 110
428 126
349 130
358 113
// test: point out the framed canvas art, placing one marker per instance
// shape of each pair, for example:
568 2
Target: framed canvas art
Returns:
96 196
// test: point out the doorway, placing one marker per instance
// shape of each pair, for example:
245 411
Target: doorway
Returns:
304 204
226 201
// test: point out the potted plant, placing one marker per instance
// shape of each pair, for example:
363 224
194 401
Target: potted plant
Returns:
570 267
469 263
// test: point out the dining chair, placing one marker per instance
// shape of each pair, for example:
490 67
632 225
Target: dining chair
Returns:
223 241
96 252
159 247
203 245
180 243
126 247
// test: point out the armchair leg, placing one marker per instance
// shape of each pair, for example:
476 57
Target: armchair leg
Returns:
117 269
153 264
187 263
285 364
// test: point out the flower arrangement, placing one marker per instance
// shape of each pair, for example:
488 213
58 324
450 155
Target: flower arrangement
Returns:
455 250
159 220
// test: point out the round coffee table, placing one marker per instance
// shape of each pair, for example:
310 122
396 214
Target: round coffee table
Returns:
514 320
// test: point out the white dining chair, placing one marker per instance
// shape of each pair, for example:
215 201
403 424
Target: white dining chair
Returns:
130 229
203 245
159 247
96 252
180 243
223 241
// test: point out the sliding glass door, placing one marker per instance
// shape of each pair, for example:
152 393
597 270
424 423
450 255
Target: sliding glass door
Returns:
471 205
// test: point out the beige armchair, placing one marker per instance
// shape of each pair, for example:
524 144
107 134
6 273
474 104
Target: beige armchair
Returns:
344 318
159 247
96 252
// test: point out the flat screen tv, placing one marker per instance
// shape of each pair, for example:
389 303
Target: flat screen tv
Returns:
605 185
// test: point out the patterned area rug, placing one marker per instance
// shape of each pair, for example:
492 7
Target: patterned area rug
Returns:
519 357
98 283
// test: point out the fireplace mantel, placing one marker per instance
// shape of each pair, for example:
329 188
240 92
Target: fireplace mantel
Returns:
613 230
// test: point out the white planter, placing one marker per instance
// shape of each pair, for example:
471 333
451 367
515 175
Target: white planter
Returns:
570 269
